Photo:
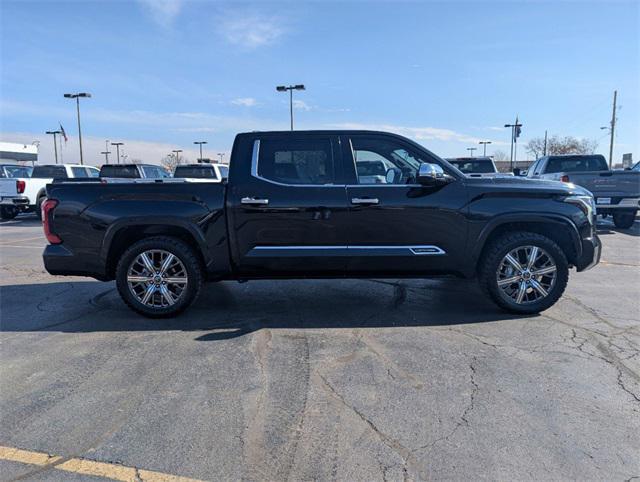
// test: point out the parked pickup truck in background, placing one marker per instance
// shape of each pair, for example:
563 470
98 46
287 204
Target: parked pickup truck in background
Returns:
616 193
12 198
34 190
133 171
203 170
295 207
477 166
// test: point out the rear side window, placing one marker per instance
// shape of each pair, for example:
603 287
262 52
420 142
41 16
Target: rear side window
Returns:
154 172
576 164
79 172
45 172
110 170
195 172
304 161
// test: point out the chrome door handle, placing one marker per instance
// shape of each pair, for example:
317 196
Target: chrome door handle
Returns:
364 200
254 201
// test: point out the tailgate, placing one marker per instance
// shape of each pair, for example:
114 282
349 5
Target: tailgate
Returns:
609 184
8 187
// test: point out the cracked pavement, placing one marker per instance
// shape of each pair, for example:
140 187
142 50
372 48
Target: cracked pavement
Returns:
329 379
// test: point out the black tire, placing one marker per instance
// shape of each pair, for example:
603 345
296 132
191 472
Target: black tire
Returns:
624 219
185 254
498 249
39 206
8 212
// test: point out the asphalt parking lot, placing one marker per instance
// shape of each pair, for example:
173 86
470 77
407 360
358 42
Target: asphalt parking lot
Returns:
299 380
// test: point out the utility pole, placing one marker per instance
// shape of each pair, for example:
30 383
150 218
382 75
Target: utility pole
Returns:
613 127
484 147
106 151
471 149
117 144
55 144
544 153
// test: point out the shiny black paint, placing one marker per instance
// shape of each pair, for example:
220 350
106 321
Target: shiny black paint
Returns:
93 219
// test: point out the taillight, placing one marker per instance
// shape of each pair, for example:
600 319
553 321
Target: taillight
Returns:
565 178
20 186
47 210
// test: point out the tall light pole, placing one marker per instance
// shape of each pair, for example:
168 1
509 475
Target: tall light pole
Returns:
77 98
290 88
55 144
177 153
471 149
117 144
484 147
221 154
200 143
515 133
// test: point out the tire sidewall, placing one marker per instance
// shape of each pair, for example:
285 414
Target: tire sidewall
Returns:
179 249
624 220
525 239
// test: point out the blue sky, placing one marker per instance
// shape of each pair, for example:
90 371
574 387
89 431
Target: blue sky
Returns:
166 73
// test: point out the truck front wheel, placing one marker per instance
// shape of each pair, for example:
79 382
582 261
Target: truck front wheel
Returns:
159 277
524 272
624 219
8 212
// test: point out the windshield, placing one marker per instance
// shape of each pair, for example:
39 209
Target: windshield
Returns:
474 167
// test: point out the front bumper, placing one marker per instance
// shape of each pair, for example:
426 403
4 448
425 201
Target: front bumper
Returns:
591 252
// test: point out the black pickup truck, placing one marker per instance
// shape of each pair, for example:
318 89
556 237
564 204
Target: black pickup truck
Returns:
294 207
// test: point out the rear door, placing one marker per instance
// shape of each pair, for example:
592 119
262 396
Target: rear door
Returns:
288 207
400 227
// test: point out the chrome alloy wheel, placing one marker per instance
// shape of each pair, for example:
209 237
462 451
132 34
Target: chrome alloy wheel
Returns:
157 278
526 274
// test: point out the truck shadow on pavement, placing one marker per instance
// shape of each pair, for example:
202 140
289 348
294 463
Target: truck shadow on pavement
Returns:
229 310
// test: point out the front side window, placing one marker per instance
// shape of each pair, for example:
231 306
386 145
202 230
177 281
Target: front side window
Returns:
383 161
308 161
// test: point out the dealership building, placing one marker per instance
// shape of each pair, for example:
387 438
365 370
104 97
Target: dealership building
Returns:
15 152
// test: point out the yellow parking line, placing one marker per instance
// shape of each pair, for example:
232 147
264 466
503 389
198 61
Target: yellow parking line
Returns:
88 467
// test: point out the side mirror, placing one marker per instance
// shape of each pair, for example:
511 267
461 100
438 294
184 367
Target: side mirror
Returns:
430 174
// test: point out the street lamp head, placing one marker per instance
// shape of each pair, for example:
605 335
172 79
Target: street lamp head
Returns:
281 88
299 87
200 142
69 96
53 132
84 94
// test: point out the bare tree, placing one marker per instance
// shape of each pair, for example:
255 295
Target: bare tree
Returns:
557 145
169 162
500 156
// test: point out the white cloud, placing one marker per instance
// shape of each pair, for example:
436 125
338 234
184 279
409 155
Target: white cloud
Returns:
301 105
245 101
163 12
418 133
251 30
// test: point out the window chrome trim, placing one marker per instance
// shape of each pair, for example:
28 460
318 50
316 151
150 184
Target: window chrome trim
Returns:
254 170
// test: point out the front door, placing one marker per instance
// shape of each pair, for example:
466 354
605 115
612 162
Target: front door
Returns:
289 214
396 226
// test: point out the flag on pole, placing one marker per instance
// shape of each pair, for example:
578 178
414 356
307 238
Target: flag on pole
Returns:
64 134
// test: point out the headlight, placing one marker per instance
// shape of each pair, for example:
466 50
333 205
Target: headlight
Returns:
586 203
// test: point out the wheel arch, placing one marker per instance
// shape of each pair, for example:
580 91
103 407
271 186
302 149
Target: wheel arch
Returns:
557 228
119 237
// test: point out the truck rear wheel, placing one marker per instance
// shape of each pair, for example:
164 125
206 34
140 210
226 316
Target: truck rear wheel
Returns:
159 277
8 212
624 219
524 272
